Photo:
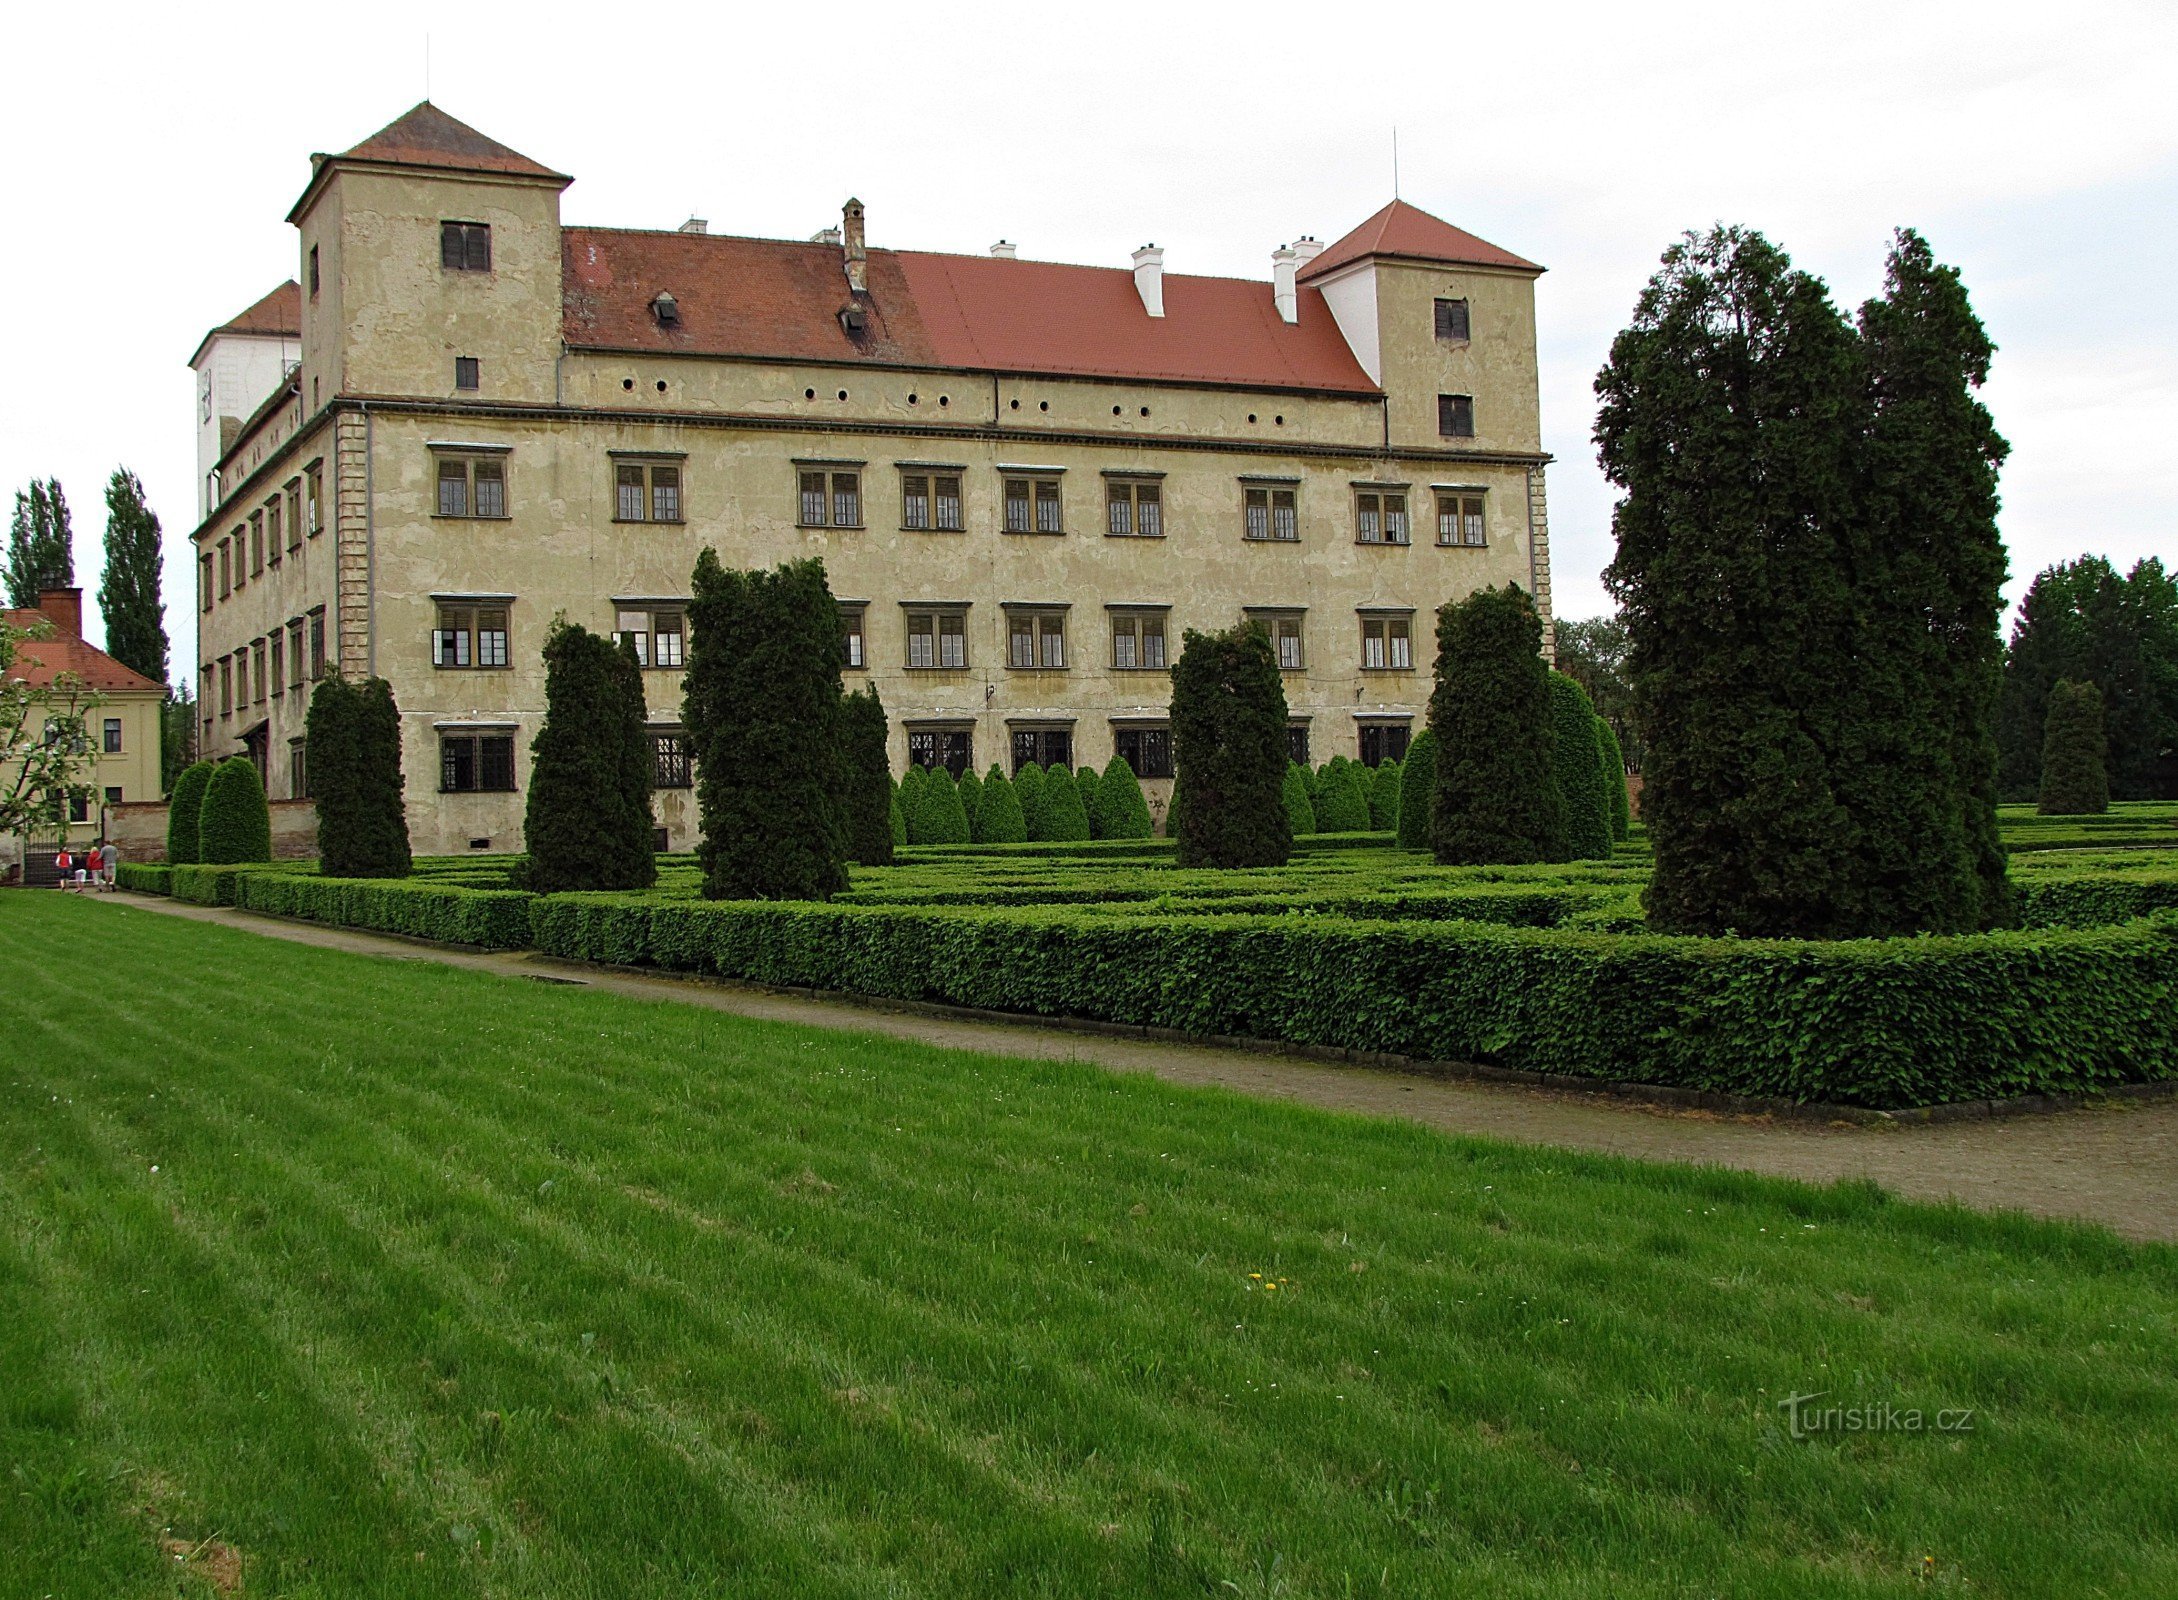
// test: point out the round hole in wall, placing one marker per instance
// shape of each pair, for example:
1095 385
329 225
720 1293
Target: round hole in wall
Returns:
627 383
843 394
1281 421
809 394
1043 405
661 386
1145 411
915 399
945 399
1115 411
1017 405
1251 416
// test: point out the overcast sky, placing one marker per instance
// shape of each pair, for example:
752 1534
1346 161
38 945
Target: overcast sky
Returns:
152 158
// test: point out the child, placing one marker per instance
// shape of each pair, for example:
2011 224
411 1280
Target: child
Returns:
63 864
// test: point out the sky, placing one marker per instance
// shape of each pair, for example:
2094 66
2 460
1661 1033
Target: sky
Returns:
155 151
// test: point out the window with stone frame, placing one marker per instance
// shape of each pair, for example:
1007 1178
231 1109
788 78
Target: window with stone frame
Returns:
831 497
204 579
659 634
854 640
465 246
318 663
273 546
1297 743
1456 416
1452 319
470 634
646 491
294 514
1459 518
1387 644
1148 750
472 486
1270 512
295 653
672 759
1380 516
1134 508
1051 746
257 667
279 663
1036 638
1138 640
1033 504
930 501
257 544
1384 741
950 748
313 501
298 769
476 763
937 639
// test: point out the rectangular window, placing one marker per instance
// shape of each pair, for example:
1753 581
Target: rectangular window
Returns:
205 675
279 664
937 639
226 686
659 635
1380 516
470 636
1382 742
1451 324
646 492
1036 639
465 372
113 794
831 499
317 644
1285 632
1134 510
79 808
204 576
476 763
1033 506
1045 747
1386 644
465 246
294 516
671 767
1297 742
1138 641
272 531
313 272
257 544
242 680
1459 519
1456 416
854 646
226 569
1147 750
312 512
112 746
298 770
295 653
1271 514
950 748
930 502
472 486
257 655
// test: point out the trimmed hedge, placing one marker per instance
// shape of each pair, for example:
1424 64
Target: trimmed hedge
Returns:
1877 1023
2097 901
497 919
144 877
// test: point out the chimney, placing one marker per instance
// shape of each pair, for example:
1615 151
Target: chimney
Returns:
858 259
1306 249
696 225
1283 261
64 609
1004 249
825 236
1149 279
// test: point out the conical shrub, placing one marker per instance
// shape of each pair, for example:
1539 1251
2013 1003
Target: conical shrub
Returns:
1341 807
1614 780
1064 816
970 789
1126 810
1028 788
185 813
1086 783
1417 782
1576 768
1000 820
1384 795
2075 753
948 817
1300 810
234 823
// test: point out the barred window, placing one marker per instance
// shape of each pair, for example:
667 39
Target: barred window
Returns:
1382 742
1380 516
1036 639
1134 509
465 246
1271 514
831 499
671 767
937 639
470 636
950 748
1147 750
476 763
1138 641
1043 747
1386 644
1459 519
1297 743
1456 416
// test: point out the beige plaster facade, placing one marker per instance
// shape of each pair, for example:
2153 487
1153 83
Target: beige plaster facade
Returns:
376 416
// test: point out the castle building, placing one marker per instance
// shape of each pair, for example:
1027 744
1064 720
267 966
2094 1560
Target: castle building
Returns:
1026 479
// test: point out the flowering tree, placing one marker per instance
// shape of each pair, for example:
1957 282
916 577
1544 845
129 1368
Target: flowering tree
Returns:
46 757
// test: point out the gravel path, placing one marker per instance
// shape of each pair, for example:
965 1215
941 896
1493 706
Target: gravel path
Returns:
2116 1164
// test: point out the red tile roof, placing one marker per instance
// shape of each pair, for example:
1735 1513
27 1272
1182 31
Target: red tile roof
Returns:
425 136
1403 230
39 661
780 299
277 315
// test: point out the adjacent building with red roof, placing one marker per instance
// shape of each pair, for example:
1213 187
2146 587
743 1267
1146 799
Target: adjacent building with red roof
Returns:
1026 478
123 708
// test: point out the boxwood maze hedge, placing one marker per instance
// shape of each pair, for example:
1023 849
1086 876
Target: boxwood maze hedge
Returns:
1535 968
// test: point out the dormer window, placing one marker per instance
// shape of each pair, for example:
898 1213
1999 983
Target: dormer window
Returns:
465 246
666 309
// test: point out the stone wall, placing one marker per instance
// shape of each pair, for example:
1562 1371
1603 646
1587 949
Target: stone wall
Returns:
138 828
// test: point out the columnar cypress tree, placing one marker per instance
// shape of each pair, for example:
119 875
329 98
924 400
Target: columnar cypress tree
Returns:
970 789
333 748
1494 799
1229 746
1417 786
1028 789
588 823
1384 795
1729 417
762 711
1576 767
947 818
184 813
909 798
1085 784
1064 816
380 842
1126 810
1341 806
899 822
235 824
41 546
999 817
1614 779
2075 781
1293 795
868 800
128 594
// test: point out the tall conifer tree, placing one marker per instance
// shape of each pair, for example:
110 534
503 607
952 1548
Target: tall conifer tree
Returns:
128 592
1229 749
1494 798
41 545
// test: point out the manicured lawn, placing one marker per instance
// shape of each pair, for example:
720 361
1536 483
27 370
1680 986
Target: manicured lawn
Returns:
399 1280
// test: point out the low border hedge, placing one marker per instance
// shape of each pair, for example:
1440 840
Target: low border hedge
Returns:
144 877
1875 1023
496 919
2096 900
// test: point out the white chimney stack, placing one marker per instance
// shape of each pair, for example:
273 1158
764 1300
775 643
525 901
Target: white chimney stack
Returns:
1004 249
1307 248
1149 279
1284 260
695 225
825 236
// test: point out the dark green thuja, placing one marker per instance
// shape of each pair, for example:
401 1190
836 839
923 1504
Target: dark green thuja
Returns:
761 705
1028 790
185 813
1613 764
1417 785
587 824
353 747
998 817
1229 748
945 818
1065 817
970 788
1126 812
1576 766
1384 795
868 800
1342 805
1293 794
1495 799
235 824
2075 774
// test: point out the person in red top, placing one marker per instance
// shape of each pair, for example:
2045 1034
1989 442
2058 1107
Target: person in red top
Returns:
63 864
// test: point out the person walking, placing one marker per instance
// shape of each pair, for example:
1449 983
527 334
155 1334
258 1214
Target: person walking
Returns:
109 863
63 865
